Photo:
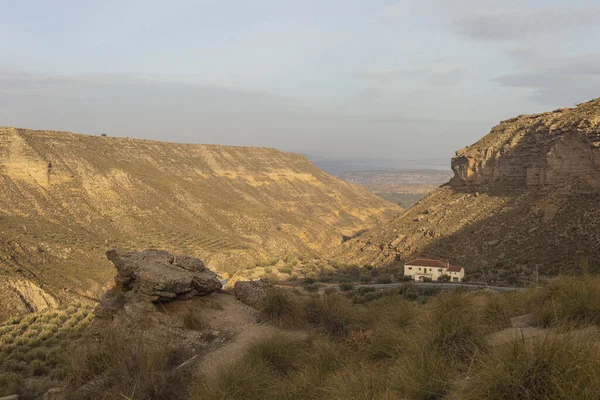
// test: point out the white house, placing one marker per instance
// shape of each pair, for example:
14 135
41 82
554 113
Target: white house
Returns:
424 269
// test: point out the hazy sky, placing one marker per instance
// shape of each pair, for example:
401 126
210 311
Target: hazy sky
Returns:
339 78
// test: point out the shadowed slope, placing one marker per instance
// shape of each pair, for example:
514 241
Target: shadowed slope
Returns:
525 195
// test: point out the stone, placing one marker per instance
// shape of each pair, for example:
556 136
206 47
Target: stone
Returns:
156 275
251 293
54 394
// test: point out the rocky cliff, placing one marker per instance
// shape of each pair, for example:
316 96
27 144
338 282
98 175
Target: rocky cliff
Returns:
66 198
526 196
535 150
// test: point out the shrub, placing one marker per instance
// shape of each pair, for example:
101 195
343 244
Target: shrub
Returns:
10 383
569 300
309 280
453 327
346 286
334 314
365 277
128 364
384 278
280 310
552 367
37 368
240 380
278 352
285 270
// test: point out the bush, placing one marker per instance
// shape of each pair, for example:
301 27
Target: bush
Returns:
569 300
128 364
309 280
365 277
285 270
346 286
278 352
453 327
280 310
334 314
551 367
385 278
37 368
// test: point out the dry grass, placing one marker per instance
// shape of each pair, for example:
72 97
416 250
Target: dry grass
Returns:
280 309
557 366
118 364
569 300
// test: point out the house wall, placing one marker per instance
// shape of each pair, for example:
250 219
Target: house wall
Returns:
417 271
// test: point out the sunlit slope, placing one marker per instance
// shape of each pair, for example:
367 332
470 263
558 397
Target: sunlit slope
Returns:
66 198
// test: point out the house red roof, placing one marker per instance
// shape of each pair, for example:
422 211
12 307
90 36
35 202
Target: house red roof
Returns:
427 262
453 268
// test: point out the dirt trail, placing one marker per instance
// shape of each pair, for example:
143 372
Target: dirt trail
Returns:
240 320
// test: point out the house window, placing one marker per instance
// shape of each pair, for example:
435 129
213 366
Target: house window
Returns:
410 268
424 269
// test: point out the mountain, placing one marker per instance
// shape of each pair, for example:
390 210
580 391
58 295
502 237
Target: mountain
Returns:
526 195
67 198
404 187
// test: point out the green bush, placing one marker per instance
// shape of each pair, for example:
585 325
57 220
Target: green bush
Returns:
285 270
365 277
384 278
346 286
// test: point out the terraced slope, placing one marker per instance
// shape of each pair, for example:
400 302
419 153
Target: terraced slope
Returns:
526 195
66 198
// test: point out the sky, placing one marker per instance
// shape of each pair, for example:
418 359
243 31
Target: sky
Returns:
408 79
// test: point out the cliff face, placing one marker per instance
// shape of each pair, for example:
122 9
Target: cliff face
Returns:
526 195
66 198
535 150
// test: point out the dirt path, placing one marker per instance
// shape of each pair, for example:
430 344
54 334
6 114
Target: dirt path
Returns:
240 321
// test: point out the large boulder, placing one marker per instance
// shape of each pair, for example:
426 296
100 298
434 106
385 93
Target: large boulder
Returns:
157 275
251 293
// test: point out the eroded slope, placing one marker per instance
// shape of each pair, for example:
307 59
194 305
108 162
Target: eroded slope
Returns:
66 198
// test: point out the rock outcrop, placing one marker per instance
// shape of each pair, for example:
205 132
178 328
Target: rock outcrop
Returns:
251 293
157 275
535 150
153 276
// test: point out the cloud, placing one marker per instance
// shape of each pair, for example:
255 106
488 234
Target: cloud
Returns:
518 22
555 80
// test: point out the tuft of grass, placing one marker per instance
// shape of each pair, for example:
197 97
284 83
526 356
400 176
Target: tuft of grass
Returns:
333 314
277 352
281 310
453 327
556 366
569 300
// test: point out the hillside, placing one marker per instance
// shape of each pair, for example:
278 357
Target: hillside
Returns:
403 187
67 198
526 195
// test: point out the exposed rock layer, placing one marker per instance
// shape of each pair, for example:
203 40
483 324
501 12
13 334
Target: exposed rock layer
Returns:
535 150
